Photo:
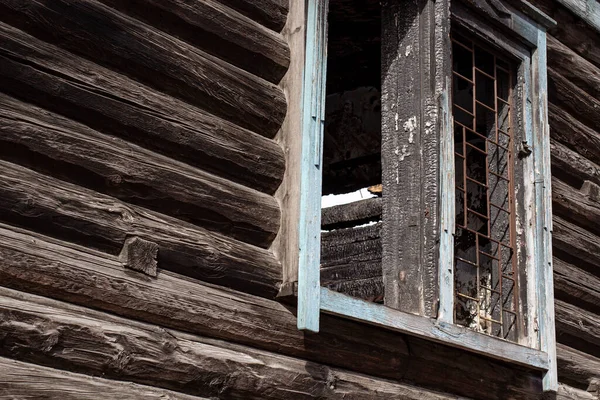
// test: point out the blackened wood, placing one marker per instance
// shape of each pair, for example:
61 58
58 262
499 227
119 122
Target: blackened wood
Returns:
48 267
576 286
270 13
575 206
571 166
415 64
348 215
578 328
567 129
576 245
140 255
216 29
29 381
112 103
577 368
58 146
55 207
97 32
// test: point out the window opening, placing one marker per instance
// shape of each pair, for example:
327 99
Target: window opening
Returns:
486 284
350 236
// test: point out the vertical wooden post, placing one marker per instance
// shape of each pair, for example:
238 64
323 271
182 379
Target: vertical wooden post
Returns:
415 65
313 115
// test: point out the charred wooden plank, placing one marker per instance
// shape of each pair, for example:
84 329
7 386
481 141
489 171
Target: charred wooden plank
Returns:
348 215
38 330
573 67
578 328
577 368
112 103
351 245
53 144
29 381
576 286
576 245
573 205
73 213
45 266
571 166
573 99
270 13
216 29
95 31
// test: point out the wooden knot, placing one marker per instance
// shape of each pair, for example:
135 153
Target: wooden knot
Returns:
140 255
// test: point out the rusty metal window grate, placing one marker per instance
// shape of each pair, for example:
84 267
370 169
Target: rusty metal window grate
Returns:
484 245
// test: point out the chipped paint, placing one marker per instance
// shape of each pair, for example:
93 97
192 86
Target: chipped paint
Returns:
408 50
396 118
410 126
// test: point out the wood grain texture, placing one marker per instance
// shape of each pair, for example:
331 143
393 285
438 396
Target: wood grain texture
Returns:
216 29
140 255
106 101
578 328
569 393
45 266
576 286
572 167
94 31
47 142
576 245
270 13
29 381
348 215
577 368
74 338
73 213
573 205
567 129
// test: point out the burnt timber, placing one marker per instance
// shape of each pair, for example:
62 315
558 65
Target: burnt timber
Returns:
148 165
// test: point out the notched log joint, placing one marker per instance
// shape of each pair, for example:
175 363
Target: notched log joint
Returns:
591 190
140 255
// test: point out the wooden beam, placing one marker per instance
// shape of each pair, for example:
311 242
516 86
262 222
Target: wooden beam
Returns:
74 152
575 243
23 380
569 393
348 215
270 13
95 31
567 129
578 328
573 205
216 29
571 166
34 263
577 368
587 10
56 207
576 286
106 101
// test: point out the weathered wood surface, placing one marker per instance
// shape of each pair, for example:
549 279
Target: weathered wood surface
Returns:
571 166
576 245
573 205
270 13
576 286
216 29
47 142
577 368
48 332
348 215
576 101
569 393
140 255
73 213
48 267
112 103
29 381
95 31
578 328
573 67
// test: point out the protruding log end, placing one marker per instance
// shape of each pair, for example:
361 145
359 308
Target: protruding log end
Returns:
591 190
140 255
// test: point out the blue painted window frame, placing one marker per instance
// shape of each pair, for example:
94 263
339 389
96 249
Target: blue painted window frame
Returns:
313 299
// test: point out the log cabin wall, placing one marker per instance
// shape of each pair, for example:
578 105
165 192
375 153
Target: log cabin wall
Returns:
162 136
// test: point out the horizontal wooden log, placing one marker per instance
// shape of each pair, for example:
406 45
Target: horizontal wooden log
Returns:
573 205
29 381
576 245
567 129
571 166
577 328
48 267
565 94
59 81
58 208
569 393
216 29
35 329
348 215
71 151
270 13
97 32
573 67
350 245
577 368
576 286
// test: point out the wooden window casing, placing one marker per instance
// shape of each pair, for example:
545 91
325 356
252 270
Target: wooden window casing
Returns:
425 185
